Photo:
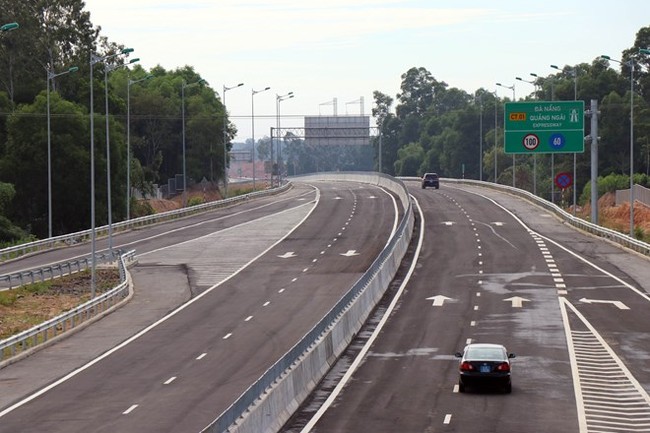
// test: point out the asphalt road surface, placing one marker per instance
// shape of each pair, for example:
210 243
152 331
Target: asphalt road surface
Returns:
493 268
250 280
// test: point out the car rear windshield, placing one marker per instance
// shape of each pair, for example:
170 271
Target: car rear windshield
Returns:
485 353
430 176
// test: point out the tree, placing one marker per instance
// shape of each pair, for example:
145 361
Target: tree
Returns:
25 165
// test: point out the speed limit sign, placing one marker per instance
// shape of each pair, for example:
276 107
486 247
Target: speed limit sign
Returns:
530 141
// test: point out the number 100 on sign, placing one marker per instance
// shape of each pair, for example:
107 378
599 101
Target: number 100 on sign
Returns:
531 141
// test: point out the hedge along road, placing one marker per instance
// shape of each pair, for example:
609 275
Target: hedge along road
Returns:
181 373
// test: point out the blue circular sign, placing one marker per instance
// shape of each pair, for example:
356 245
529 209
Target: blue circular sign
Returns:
563 180
557 141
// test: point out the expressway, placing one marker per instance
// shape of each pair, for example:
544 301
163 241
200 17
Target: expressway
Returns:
493 268
236 288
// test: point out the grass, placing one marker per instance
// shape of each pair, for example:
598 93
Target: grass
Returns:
27 306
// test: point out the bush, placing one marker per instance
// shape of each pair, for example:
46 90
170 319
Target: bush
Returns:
193 201
141 208
611 183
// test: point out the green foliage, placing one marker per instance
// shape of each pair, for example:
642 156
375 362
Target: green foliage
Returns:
141 208
8 297
55 36
611 183
639 233
410 159
194 201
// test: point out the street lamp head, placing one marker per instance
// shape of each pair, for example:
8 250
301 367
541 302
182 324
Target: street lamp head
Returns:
239 85
644 51
532 74
8 27
137 59
555 67
73 69
605 57
126 50
519 78
499 84
267 88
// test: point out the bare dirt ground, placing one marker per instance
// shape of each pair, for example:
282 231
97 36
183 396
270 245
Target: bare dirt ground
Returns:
618 217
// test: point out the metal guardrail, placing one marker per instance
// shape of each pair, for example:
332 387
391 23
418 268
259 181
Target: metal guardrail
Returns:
85 235
396 246
603 232
17 279
52 328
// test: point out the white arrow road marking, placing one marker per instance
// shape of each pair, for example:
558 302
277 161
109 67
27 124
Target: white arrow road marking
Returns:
372 196
350 253
618 304
338 198
288 255
517 301
498 223
448 223
439 300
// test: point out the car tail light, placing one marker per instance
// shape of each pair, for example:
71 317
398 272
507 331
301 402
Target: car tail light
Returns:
504 366
466 366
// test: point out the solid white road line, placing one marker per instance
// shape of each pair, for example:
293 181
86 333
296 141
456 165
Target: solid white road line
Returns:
362 353
129 410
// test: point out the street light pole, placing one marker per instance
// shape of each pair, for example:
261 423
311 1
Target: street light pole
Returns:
630 63
514 168
93 60
130 82
480 137
552 154
108 69
278 100
495 135
225 138
50 76
534 155
253 93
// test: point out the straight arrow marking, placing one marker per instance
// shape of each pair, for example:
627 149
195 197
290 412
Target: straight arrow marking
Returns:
288 255
517 301
350 253
439 300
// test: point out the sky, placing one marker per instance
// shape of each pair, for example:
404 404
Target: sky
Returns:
347 49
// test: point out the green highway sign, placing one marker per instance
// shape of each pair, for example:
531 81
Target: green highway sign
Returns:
544 127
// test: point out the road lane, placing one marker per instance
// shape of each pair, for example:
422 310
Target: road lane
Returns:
480 257
236 329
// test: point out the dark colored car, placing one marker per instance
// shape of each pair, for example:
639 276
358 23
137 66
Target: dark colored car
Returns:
485 365
430 179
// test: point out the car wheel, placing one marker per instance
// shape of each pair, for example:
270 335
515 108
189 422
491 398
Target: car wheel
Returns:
424 187
437 187
461 387
508 388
